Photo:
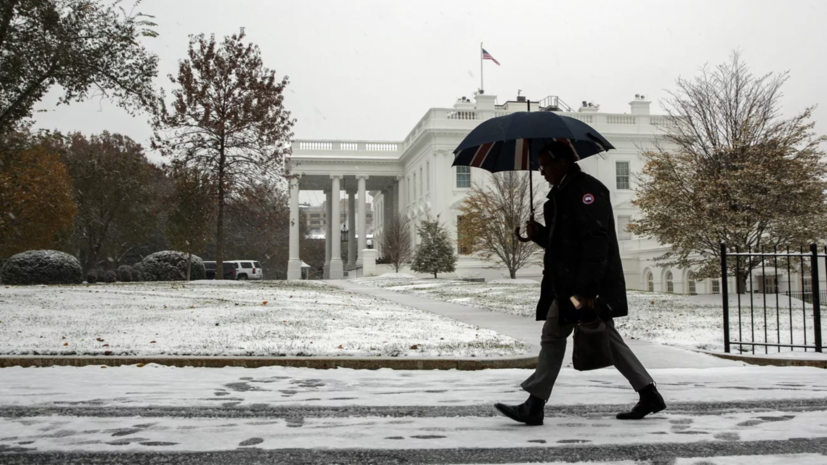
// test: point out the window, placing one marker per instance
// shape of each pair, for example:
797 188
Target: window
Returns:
315 215
256 265
669 286
463 177
650 283
246 264
461 249
716 286
623 233
622 170
807 284
769 284
691 279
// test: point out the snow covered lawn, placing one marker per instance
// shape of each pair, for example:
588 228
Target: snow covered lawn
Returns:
686 321
269 318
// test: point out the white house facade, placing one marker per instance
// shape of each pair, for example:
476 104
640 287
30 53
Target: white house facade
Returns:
414 177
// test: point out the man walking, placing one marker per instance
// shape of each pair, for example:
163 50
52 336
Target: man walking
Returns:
581 261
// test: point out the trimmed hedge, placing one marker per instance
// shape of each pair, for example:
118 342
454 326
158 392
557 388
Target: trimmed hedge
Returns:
42 267
171 265
124 273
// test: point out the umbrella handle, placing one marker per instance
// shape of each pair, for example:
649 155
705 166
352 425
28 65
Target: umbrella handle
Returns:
517 230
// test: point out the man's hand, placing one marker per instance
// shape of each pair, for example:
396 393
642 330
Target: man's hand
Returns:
584 302
532 228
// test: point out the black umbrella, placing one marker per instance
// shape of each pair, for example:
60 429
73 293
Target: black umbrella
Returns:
512 143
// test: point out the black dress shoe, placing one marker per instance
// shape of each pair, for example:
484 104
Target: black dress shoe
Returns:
529 412
650 402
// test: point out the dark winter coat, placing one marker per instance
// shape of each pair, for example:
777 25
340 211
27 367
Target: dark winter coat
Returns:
582 256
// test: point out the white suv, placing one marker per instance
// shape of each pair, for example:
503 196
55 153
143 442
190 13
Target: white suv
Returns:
247 269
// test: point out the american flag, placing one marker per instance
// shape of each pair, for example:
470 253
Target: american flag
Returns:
487 56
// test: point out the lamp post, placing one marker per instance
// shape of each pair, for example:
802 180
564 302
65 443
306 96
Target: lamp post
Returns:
344 232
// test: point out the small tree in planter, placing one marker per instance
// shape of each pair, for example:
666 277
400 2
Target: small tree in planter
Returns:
436 253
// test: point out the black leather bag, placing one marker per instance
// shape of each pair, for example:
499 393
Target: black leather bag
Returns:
591 346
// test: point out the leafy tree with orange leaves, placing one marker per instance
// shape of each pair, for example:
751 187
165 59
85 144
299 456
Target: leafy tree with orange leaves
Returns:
36 204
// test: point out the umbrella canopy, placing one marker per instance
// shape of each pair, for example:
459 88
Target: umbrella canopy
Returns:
512 142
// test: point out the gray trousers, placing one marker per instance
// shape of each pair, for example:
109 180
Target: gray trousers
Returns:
553 349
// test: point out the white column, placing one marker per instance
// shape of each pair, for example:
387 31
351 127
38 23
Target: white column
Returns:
327 242
294 265
362 218
351 230
336 268
397 195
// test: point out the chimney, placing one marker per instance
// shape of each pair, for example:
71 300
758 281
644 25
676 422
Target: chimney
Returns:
485 101
640 106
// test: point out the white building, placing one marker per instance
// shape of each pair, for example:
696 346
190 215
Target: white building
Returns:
414 177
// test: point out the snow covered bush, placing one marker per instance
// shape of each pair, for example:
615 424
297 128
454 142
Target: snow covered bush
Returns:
110 276
171 265
137 276
124 273
42 267
92 276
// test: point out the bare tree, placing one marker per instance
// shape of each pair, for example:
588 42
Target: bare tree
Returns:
395 241
491 213
227 119
734 171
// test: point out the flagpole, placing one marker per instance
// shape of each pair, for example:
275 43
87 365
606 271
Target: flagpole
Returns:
481 82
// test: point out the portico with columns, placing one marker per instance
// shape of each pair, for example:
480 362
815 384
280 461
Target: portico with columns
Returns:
352 177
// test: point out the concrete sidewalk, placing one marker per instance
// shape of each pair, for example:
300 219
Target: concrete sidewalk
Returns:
528 330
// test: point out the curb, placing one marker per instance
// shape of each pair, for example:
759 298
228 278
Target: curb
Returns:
767 361
321 363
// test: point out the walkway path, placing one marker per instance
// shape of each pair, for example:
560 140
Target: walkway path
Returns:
528 330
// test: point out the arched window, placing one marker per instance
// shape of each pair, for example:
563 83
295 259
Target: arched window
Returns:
650 282
669 286
690 277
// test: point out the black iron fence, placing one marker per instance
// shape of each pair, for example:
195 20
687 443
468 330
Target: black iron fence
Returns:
765 317
807 296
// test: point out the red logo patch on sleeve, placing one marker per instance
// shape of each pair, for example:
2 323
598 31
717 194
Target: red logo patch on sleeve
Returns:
588 199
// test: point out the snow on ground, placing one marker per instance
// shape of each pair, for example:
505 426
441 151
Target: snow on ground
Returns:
270 318
704 407
693 322
514 281
79 433
163 386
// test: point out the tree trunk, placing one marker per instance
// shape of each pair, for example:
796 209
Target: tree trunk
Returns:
742 284
513 273
434 274
219 233
189 264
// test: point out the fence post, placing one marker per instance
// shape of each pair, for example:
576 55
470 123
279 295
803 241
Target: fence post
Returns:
816 297
725 294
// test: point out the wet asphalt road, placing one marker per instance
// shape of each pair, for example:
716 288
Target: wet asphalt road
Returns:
661 454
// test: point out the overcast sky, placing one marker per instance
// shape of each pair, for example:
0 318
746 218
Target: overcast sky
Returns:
370 69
